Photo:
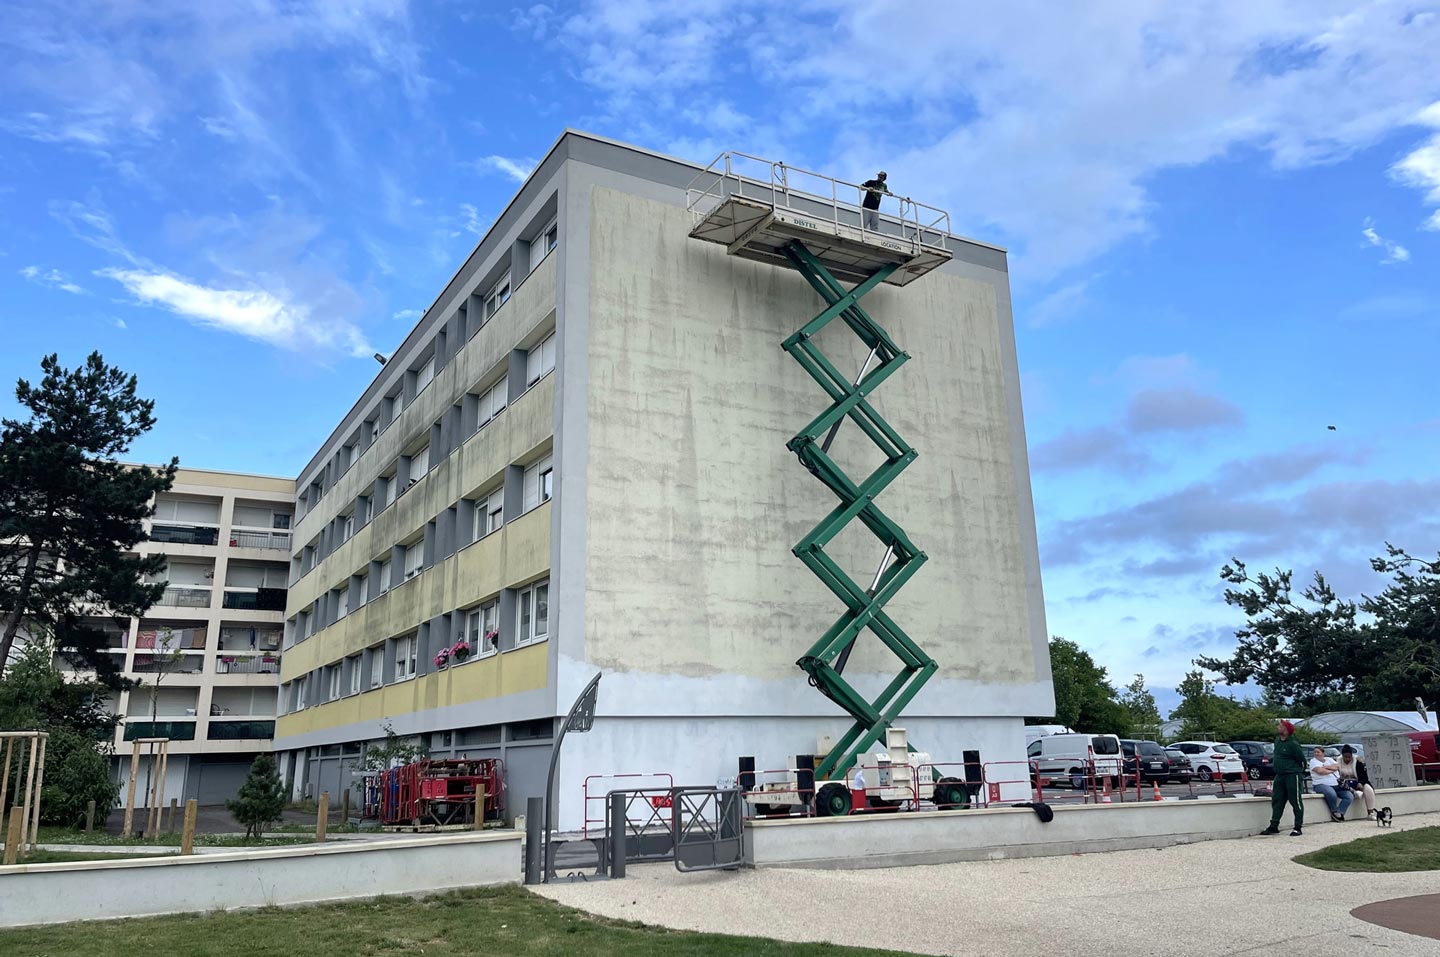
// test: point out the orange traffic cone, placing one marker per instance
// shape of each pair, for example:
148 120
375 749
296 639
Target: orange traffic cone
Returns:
1156 796
1106 798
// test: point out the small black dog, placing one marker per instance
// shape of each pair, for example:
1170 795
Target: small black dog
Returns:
1383 817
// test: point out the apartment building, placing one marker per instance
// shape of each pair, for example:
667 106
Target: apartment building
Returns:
207 655
576 462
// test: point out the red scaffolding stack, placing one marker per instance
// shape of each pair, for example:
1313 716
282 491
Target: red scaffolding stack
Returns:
440 792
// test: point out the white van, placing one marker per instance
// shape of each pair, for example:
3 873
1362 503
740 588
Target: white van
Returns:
1068 756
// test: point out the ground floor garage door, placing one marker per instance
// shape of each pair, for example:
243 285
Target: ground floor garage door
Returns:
219 779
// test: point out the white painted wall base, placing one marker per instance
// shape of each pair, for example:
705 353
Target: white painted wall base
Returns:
281 876
869 840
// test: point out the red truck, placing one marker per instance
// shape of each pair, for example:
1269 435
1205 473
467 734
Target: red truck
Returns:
1425 752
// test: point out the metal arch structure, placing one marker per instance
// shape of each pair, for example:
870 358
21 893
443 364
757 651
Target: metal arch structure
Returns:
753 208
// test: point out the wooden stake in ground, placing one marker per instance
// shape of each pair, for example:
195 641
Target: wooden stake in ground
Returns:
322 817
29 782
5 775
15 836
39 788
130 791
187 837
159 812
89 816
345 806
174 813
479 807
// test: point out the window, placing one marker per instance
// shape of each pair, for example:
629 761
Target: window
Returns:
342 603
414 559
309 617
489 513
534 614
424 374
333 687
540 360
364 510
353 663
539 484
492 403
498 295
362 588
480 622
377 666
404 657
302 693
280 520
387 490
419 464
1033 750
541 245
347 529
384 576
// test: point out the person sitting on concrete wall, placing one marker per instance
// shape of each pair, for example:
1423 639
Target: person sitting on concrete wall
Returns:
1325 779
1354 778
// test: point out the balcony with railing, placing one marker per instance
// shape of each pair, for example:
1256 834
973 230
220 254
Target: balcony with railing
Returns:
247 637
151 662
186 596
184 533
242 729
232 663
267 538
174 730
254 599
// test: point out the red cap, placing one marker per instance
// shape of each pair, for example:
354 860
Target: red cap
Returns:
1288 727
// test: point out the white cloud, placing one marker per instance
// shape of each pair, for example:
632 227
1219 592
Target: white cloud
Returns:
471 219
408 315
1062 304
1040 126
258 314
53 278
516 169
120 324
1394 252
1433 223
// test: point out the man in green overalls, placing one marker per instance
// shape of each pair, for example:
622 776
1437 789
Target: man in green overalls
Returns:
1290 771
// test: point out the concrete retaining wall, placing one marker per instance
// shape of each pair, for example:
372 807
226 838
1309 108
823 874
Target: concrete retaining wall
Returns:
888 840
101 890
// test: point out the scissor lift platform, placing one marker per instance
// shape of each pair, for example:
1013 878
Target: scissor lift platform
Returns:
754 216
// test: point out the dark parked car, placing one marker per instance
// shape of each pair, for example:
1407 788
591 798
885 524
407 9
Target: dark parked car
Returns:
1259 758
1150 758
1180 769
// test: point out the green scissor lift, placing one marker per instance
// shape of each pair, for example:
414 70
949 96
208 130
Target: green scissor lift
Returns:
824 241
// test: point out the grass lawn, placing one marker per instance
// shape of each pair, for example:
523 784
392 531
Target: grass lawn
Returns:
64 835
1417 850
506 921
65 857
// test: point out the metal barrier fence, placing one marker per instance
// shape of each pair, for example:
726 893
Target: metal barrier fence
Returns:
708 827
595 818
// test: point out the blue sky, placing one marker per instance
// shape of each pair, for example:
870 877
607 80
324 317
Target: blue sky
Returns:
1224 227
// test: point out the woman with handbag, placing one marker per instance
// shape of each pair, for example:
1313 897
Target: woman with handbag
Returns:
1354 776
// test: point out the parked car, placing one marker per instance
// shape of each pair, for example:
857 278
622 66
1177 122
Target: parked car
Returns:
1069 756
1258 757
1180 770
1147 757
1212 759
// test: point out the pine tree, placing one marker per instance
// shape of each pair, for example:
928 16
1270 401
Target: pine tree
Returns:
261 797
71 511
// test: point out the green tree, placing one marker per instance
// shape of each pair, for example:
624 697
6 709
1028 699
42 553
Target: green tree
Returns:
71 512
34 695
1140 705
1321 652
1084 697
260 799
1208 714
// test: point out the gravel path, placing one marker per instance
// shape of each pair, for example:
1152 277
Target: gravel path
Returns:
1216 897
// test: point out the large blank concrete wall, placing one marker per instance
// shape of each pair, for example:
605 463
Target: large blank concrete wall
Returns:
693 502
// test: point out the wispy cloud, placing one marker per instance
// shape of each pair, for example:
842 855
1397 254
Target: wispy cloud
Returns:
516 169
1420 168
1062 304
51 277
258 314
470 219
1394 252
407 315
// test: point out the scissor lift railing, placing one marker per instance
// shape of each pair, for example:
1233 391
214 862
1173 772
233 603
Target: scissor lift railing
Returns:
760 214
755 206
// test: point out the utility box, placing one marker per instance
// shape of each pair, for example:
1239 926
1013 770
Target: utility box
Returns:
1388 760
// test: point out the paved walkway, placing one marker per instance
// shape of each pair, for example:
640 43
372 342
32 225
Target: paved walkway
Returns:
1216 897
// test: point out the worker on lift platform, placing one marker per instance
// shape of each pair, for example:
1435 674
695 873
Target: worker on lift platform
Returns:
874 189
